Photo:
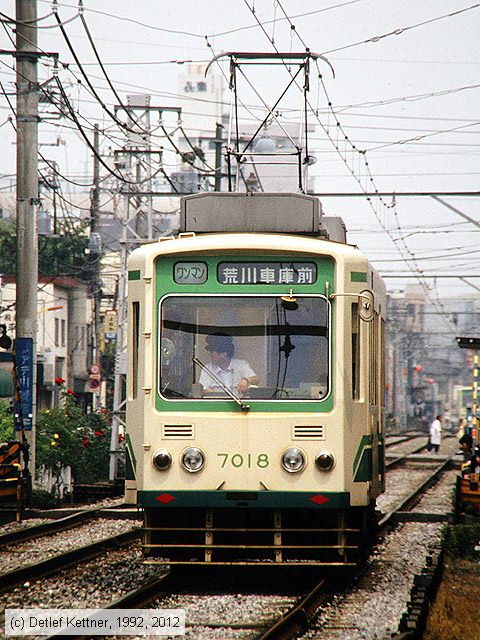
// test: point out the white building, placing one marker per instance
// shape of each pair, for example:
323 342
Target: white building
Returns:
63 335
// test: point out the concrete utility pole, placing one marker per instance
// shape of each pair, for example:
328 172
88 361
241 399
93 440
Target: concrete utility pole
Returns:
95 254
27 200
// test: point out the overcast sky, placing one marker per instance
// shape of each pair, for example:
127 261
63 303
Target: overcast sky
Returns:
405 92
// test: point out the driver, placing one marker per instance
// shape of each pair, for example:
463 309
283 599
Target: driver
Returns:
237 375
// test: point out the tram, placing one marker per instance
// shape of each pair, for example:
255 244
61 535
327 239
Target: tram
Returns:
277 460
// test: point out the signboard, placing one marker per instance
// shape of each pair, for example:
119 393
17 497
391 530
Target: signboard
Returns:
24 367
110 325
289 273
95 384
95 379
190 273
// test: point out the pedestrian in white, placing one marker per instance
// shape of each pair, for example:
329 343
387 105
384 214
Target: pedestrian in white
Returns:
435 434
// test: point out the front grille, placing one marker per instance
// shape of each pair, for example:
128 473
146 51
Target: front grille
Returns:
178 432
308 432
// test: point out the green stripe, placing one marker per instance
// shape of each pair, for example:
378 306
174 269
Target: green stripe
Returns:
249 499
358 276
130 449
164 283
134 275
129 470
364 442
362 465
229 406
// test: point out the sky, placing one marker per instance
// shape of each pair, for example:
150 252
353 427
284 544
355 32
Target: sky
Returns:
399 113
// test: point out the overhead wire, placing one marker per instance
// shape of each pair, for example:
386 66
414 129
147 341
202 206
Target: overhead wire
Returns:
401 30
9 19
128 109
132 20
65 5
414 267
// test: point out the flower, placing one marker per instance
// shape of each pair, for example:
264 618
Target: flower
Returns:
53 443
59 380
121 437
85 441
99 432
56 436
70 392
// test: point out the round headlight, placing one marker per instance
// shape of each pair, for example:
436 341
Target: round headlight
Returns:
193 459
162 460
293 460
324 461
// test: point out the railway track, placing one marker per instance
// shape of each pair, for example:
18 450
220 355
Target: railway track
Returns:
272 617
404 567
398 530
62 523
59 562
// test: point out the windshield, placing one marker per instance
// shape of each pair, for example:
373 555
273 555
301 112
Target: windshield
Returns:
258 347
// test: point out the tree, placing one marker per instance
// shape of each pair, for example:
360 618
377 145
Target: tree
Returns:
62 255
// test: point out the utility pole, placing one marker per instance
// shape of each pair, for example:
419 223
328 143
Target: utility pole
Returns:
218 156
27 200
136 158
95 254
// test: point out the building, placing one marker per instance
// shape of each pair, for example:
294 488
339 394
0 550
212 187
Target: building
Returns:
64 336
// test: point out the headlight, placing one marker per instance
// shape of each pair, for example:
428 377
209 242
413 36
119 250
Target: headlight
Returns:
162 460
193 459
293 460
324 461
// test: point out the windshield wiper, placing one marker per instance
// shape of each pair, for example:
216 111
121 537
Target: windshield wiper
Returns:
241 404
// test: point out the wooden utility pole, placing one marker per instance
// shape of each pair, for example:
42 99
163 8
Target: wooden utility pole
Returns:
27 200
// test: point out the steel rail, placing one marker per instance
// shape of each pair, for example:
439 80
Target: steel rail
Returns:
135 599
64 560
46 528
410 501
297 620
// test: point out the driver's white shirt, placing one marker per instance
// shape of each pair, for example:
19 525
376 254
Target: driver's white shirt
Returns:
231 376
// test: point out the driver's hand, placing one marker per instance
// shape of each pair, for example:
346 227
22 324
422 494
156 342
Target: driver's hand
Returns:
243 385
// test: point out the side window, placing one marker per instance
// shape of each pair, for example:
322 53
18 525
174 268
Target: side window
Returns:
373 352
382 362
355 352
135 346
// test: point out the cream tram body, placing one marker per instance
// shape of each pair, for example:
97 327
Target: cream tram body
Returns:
290 471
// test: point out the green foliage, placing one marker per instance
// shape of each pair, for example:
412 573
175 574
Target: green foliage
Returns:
68 437
64 255
460 540
61 255
42 499
6 422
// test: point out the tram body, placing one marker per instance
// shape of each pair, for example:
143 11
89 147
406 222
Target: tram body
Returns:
287 472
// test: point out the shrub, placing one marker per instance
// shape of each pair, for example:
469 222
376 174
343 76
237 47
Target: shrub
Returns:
6 422
68 437
460 540
42 499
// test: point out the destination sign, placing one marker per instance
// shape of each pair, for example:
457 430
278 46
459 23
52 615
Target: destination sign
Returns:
289 273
